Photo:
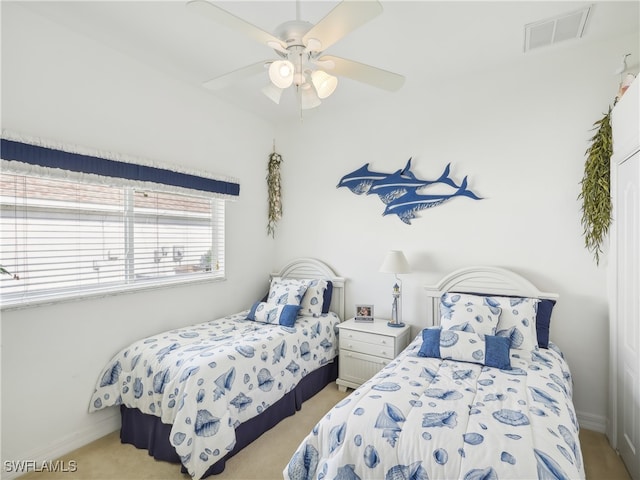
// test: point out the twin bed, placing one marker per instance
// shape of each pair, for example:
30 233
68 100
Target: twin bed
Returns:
480 393
199 394
455 404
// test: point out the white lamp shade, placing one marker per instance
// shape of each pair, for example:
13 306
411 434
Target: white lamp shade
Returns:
325 84
273 93
395 262
281 73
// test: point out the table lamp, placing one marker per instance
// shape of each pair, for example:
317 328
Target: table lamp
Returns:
395 262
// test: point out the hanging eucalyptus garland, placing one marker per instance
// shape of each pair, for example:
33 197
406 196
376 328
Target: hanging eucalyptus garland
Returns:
273 185
596 200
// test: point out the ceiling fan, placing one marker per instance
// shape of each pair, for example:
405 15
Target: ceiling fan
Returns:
300 47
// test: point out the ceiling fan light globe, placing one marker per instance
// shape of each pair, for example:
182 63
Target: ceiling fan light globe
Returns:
308 98
281 73
273 93
325 84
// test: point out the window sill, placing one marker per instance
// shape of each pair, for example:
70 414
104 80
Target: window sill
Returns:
103 293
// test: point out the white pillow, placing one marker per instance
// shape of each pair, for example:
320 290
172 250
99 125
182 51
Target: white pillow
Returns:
489 350
517 317
269 313
517 321
468 313
313 299
286 292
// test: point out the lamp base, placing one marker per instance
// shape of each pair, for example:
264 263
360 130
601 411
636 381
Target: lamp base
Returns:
395 325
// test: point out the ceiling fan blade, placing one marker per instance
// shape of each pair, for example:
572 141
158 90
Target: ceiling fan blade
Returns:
232 77
363 73
343 19
221 16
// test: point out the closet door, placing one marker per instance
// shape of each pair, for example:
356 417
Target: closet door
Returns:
628 309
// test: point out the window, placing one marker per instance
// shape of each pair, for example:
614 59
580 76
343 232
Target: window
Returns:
67 238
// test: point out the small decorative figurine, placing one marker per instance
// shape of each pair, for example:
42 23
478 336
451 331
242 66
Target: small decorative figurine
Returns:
395 308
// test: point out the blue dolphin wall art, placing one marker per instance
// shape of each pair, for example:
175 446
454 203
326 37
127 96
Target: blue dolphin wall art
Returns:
360 181
402 192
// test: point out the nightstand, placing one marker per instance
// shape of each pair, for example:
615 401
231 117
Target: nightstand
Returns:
365 348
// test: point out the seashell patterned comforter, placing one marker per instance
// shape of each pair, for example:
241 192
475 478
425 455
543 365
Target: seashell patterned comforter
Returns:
207 379
427 418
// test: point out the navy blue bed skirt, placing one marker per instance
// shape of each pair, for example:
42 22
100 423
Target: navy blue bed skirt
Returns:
148 432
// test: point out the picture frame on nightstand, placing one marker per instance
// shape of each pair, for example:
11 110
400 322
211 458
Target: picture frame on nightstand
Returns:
364 313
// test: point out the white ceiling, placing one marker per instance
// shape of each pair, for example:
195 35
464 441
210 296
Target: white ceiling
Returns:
422 40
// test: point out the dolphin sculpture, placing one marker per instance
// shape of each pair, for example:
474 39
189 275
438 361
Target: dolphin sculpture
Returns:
403 181
359 181
406 206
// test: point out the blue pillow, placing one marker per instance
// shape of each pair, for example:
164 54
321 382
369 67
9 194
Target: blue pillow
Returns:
328 293
430 343
497 352
543 321
489 350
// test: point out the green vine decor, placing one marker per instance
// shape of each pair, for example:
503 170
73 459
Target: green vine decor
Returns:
596 200
273 185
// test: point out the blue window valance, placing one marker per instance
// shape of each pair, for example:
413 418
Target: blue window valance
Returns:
46 157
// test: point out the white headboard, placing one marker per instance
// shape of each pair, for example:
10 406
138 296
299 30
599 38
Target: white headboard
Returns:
312 268
483 280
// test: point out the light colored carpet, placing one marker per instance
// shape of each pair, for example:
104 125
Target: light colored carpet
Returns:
266 457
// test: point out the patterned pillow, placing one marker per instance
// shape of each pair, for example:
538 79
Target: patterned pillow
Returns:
270 313
517 321
468 313
461 346
314 299
286 291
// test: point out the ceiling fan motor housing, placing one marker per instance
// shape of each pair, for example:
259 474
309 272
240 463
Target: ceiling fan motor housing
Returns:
292 32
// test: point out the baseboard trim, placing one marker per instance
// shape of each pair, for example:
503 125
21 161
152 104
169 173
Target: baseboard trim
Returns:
71 442
588 421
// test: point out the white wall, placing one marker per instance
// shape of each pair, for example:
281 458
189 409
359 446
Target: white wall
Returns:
519 133
63 87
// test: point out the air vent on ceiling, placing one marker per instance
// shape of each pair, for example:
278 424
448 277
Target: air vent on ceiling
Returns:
557 29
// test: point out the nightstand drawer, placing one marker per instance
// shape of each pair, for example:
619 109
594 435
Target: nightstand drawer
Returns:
366 337
356 368
385 351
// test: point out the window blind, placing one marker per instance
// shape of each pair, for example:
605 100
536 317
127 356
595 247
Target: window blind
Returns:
67 238
78 222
